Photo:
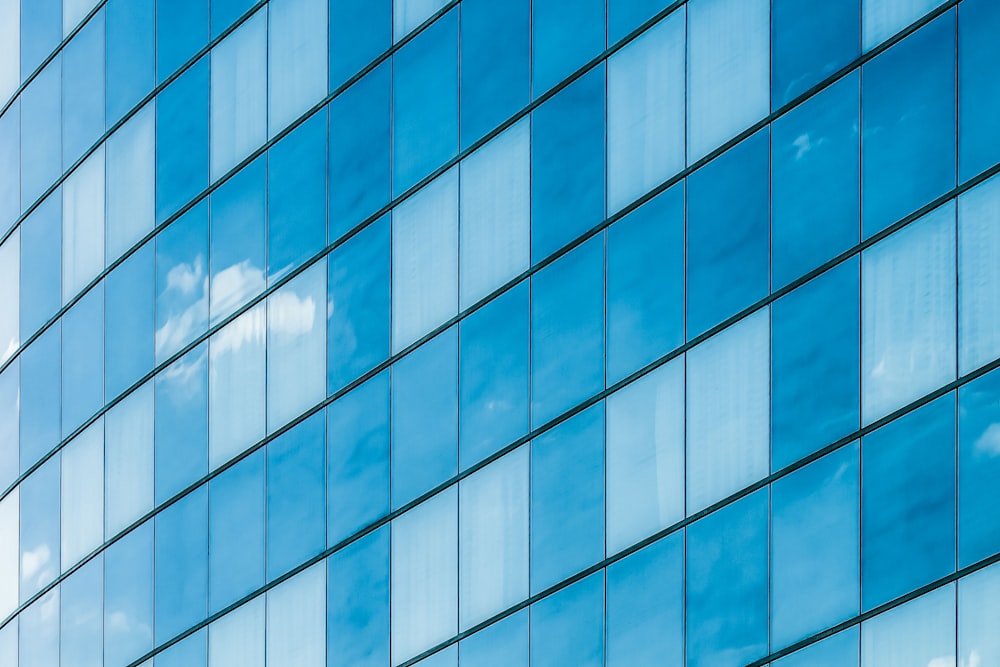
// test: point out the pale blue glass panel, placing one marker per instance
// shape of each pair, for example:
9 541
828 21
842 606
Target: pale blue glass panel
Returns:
181 423
82 494
41 123
129 336
408 14
128 460
39 528
180 555
564 37
359 31
10 288
493 538
503 643
645 457
83 90
130 55
41 265
728 70
10 552
495 230
181 30
8 642
920 632
80 619
10 423
192 651
425 260
236 532
83 360
237 639
182 147
83 225
978 96
296 620
978 618
239 94
358 603
882 19
39 396
131 182
728 420
10 153
181 282
447 657
568 628
840 650
41 29
567 498
10 50
128 597
979 267
236 391
646 111
296 345
39 632
424 596
75 11
978 468
908 314
645 598
297 59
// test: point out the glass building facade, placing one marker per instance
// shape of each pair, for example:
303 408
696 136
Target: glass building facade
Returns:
499 332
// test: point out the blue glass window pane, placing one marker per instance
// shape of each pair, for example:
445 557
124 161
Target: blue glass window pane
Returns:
425 103
181 30
9 425
358 458
883 18
225 13
503 643
39 632
10 67
920 632
181 423
816 356
425 418
41 120
192 651
74 11
727 584
129 337
978 617
297 59
809 42
567 498
495 70
83 90
493 376
83 360
130 55
978 96
181 138
82 495
39 528
83 225
645 601
359 150
978 467
296 496
237 372
567 164
358 603
131 182
359 31
624 16
236 532
41 264
8 642
646 284
10 160
182 282
237 639
568 628
10 552
39 398
41 32
128 597
81 607
840 650
908 129
979 287
10 295
296 197
296 620
358 315
181 558
567 331
129 460
409 14
908 502
815 180
563 40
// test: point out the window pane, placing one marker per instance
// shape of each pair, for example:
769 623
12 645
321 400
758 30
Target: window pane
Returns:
296 59
182 136
237 639
358 603
130 55
359 31
83 225
83 495
39 397
884 18
10 56
41 264
503 643
192 651
182 281
128 465
181 557
226 12
10 553
409 14
81 607
129 329
83 89
41 120
296 620
840 650
978 467
10 152
131 182
39 528
83 360
624 16
8 642
236 532
978 617
10 424
181 423
568 628
563 40
238 241
978 59
181 30
128 597
10 278
39 632
979 288
917 633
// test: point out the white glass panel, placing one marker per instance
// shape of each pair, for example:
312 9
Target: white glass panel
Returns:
645 453
131 182
979 269
908 314
297 59
296 620
979 618
425 260
493 525
73 12
237 639
9 552
918 633
884 18
10 284
646 111
10 48
128 453
424 596
496 213
83 225
728 415
83 494
296 343
728 70
408 14
236 386
239 94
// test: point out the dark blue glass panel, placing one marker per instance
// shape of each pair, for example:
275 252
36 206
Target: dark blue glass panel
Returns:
624 16
83 360
727 584
908 502
358 333
358 455
646 284
503 643
359 150
39 497
181 29
10 160
9 424
908 128
41 264
41 123
978 469
493 376
425 418
567 165
40 382
128 594
236 532
182 281
727 243
978 94
815 181
840 650
564 38
83 90
296 496
495 64
225 13
810 41
358 588
182 140
567 498
646 606
129 331
41 32
181 558
815 396
181 423
567 331
359 31
81 599
296 197
130 56
568 627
